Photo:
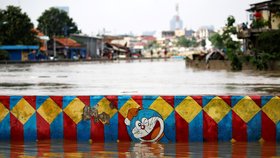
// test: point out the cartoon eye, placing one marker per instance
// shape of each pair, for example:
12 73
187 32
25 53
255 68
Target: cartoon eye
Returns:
138 124
145 121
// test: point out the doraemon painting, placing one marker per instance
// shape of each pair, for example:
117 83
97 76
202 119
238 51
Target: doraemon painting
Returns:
145 125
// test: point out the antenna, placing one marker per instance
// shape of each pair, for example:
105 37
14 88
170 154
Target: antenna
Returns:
177 8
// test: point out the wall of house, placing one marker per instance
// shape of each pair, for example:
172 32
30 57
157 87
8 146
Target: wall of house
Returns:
15 55
18 55
19 52
265 15
92 45
129 118
275 22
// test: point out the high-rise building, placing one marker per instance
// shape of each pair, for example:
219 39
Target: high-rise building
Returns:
176 23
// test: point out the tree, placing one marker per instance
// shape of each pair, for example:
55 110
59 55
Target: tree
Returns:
232 47
16 27
182 41
267 50
152 44
56 22
225 42
203 43
217 41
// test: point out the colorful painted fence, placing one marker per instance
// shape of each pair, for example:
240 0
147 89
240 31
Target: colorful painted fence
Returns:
141 118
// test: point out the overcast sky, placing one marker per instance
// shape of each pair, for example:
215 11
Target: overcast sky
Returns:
137 16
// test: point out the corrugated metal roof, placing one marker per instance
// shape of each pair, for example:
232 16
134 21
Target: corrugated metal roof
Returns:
86 36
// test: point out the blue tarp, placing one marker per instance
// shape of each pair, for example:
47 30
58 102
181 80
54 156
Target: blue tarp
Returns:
18 47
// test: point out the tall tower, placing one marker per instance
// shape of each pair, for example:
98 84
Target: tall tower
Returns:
176 23
177 9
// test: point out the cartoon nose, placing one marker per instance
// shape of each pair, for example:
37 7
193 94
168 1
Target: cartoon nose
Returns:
142 126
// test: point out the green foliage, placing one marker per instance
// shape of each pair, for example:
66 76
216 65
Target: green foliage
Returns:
16 27
230 21
203 43
217 41
226 43
56 22
4 55
183 42
269 42
260 23
277 14
267 50
152 45
232 47
236 62
260 61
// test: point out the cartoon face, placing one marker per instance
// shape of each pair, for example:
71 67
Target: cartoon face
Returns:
146 125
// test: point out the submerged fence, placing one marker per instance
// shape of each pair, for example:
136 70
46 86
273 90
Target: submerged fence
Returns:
140 118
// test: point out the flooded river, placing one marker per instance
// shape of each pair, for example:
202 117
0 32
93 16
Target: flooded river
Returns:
83 149
145 77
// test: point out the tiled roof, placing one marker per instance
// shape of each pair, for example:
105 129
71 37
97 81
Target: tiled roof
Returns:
148 38
40 34
67 42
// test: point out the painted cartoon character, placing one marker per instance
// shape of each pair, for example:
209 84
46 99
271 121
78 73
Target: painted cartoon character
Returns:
145 125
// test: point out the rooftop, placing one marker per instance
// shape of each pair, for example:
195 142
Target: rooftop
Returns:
265 5
68 42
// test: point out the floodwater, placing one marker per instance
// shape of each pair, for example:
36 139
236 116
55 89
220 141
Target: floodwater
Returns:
126 149
145 77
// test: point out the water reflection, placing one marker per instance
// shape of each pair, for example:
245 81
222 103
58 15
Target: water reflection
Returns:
127 149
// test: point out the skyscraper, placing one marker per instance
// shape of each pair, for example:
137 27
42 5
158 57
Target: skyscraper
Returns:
176 23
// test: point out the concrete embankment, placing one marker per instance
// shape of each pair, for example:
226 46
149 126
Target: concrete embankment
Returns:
225 65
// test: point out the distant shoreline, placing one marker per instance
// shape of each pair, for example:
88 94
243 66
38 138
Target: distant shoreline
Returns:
69 60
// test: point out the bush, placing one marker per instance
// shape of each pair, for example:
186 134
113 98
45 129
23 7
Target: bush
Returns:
256 24
236 63
267 50
4 55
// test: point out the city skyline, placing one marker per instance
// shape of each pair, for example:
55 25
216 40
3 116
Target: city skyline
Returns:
138 16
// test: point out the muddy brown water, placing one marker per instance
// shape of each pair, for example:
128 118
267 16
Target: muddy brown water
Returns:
145 77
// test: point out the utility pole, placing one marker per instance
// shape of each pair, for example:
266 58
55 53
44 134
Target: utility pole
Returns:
54 47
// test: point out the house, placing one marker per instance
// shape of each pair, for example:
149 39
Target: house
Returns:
264 16
93 44
21 52
167 34
115 51
66 48
43 39
204 32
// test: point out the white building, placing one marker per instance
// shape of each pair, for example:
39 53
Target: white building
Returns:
176 22
204 33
